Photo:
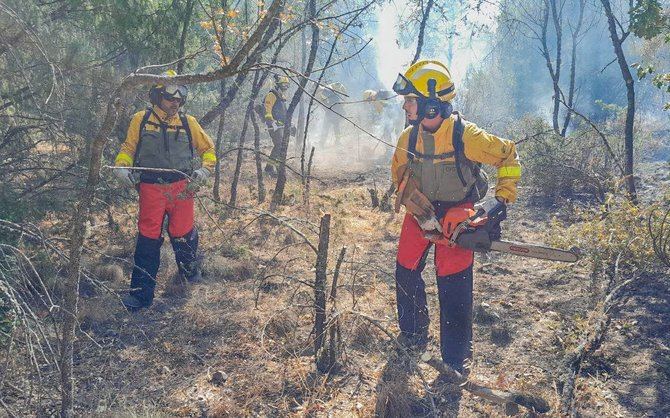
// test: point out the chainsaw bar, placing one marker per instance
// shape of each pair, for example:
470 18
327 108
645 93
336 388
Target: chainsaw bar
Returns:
535 251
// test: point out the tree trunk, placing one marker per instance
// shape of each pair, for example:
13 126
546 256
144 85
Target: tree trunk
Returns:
217 149
554 69
573 66
300 135
422 28
557 18
320 285
617 43
259 165
278 194
252 57
240 152
77 236
184 32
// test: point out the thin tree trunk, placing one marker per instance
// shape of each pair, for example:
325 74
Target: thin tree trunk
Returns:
257 153
300 136
217 149
184 33
422 29
252 57
617 43
77 236
573 66
308 180
554 70
557 18
278 194
320 285
240 152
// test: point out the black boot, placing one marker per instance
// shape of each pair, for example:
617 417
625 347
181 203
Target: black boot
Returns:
186 254
412 307
143 280
455 292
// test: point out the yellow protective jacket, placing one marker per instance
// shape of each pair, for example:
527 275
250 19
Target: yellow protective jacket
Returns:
479 146
201 142
275 106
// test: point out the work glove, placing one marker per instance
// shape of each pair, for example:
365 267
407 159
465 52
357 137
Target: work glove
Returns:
200 176
125 176
274 125
488 206
429 224
496 212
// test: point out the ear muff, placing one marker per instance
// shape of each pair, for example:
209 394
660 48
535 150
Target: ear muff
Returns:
155 95
446 109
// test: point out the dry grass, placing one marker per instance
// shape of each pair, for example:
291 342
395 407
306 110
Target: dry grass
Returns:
525 320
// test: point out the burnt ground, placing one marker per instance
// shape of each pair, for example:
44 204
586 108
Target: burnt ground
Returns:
239 343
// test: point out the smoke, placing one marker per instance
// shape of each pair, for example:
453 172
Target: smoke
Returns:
391 58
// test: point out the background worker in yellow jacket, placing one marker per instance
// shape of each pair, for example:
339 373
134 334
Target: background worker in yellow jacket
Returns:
275 119
331 96
161 137
440 154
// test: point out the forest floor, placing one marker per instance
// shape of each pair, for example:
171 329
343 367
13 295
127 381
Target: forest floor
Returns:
239 343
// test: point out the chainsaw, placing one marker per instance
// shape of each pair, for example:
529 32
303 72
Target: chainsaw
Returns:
479 230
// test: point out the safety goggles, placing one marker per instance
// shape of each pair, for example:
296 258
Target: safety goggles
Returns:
404 87
175 92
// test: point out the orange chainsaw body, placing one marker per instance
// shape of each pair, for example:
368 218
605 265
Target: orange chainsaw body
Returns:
456 218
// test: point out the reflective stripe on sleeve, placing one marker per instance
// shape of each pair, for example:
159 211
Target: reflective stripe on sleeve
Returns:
123 159
509 172
208 157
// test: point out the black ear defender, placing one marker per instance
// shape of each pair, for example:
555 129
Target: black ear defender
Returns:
433 105
155 95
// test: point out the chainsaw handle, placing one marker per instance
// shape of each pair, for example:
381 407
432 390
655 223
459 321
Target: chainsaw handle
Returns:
486 220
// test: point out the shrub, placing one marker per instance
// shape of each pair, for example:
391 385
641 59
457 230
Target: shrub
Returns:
614 230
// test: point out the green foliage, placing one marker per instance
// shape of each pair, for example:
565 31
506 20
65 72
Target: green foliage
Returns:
614 230
647 19
661 80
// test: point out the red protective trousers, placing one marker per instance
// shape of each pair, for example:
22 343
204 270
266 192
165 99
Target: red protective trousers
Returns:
413 245
157 200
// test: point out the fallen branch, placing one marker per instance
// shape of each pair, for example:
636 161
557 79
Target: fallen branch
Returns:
532 402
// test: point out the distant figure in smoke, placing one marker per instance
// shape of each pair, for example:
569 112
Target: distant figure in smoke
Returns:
381 115
437 174
275 120
331 95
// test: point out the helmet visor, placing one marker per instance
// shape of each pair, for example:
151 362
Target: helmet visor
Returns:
404 87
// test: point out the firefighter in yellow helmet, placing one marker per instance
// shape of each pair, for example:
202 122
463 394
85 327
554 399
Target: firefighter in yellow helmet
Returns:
162 137
275 118
436 168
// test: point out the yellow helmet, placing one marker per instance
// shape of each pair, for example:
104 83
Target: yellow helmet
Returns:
427 79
